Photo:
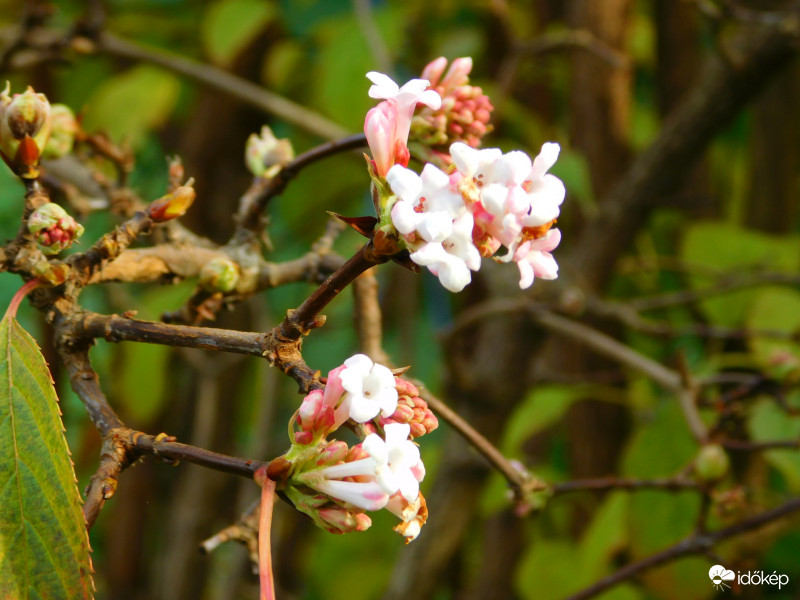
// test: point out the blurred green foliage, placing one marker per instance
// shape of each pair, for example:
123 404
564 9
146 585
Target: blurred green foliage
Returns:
316 53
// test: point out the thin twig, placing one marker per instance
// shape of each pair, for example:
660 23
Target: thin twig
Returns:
115 456
752 446
694 544
602 484
227 83
367 317
521 482
256 198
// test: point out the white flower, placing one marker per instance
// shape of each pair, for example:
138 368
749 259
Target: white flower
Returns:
534 259
369 387
545 191
398 466
406 98
453 258
425 203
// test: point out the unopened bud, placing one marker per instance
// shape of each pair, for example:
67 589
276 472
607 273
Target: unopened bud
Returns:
64 128
25 121
711 463
219 275
173 205
339 520
333 453
53 229
265 154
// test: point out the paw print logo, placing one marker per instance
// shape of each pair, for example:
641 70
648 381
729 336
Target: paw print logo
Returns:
719 575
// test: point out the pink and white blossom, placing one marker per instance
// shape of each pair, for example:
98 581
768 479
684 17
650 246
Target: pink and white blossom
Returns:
387 125
534 259
398 467
452 259
405 98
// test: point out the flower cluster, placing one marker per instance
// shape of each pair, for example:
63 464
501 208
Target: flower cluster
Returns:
484 201
464 113
490 200
53 229
334 483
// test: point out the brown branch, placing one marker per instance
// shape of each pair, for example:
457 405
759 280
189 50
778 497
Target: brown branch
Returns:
85 383
752 446
599 342
722 285
603 484
300 321
367 317
167 448
521 482
227 83
114 328
581 39
115 457
108 247
256 198
694 544
722 90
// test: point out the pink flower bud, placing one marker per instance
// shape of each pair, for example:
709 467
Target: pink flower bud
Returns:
380 127
53 229
334 452
434 69
405 388
339 520
463 115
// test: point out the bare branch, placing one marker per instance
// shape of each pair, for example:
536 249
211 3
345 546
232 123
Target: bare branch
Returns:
227 83
694 544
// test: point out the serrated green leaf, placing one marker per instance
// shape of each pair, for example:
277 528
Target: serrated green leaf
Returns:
44 547
230 25
131 104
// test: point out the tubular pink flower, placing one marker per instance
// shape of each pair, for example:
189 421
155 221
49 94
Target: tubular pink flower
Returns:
366 495
405 98
387 125
380 127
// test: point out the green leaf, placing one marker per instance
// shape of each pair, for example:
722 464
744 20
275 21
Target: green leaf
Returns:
775 309
734 250
44 547
769 423
129 105
543 407
230 25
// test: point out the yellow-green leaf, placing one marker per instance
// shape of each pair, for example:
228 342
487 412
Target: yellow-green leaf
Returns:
131 104
230 25
44 547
